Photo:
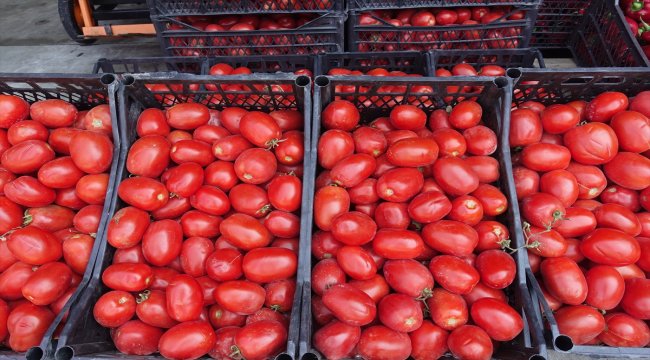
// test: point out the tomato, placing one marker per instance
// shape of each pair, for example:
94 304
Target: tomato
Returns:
114 308
148 156
578 222
618 217
340 114
559 118
224 265
255 166
397 244
636 301
470 342
591 180
367 140
27 156
137 338
26 130
288 119
28 191
184 298
47 283
454 274
490 235
542 210
283 225
624 330
382 343
27 324
428 342
187 116
128 277
290 150
481 140
49 218
151 309
610 247
633 131
279 295
376 287
219 317
408 117
497 268
619 195
399 185
408 277
12 280
127 227
450 237
350 305
245 232
5 177
545 157
53 113
152 122
400 312
629 170
392 215
562 184
77 250
545 243
230 147
455 176
353 169
13 109
195 151
606 287
356 262
98 119
34 246
260 129
334 146
606 105
162 242
500 321
364 193
60 173
91 152
92 188
450 142
493 201
465 115
329 202
257 264
581 323
336 340
592 143
448 310
325 274
127 255
260 340
413 152
143 193
188 340
240 297
211 200
564 280
429 207
525 127
60 139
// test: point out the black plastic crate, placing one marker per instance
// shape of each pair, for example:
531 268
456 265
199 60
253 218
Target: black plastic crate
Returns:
219 7
85 92
495 97
556 21
600 39
410 62
553 86
320 35
267 64
150 64
82 337
506 58
386 37
387 4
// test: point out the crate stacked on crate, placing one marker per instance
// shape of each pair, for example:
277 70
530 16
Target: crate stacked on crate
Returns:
482 62
396 63
637 17
588 276
423 25
557 21
248 27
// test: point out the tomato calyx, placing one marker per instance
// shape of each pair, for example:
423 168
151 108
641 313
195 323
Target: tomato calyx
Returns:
275 308
236 353
142 297
273 143
263 210
27 218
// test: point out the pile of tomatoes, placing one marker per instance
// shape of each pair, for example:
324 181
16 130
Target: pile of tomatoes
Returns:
379 71
408 248
399 36
464 69
583 181
223 69
637 16
53 180
207 240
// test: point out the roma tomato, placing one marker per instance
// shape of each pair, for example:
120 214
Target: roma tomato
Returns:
564 280
367 140
188 340
194 254
408 117
499 320
624 330
454 274
356 262
27 324
260 129
49 218
27 156
429 207
428 342
137 338
413 152
559 118
245 232
470 342
260 340
220 174
562 184
382 343
162 242
53 113
240 297
408 277
618 217
60 173
448 310
47 283
151 309
450 142
342 115
497 268
143 193
329 202
333 146
397 244
400 185
336 340
187 116
13 279
610 247
450 237
264 265
400 312
629 170
91 152
606 287
581 323
184 298
465 115
210 200
455 176
636 301
114 308
152 122
13 109
525 127
578 222
350 305
34 246
632 130
542 210
128 277
353 169
544 157
127 227
255 166
184 151
148 156
353 228
185 179
592 143
591 180
605 105
291 149
230 147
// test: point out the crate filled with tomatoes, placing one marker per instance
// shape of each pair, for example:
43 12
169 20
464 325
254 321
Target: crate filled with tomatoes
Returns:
250 34
58 157
413 28
556 21
580 143
447 63
200 254
218 7
381 4
637 17
415 235
395 63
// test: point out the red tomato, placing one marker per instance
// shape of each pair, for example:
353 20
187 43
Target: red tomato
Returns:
562 184
224 265
629 170
34 246
454 274
382 343
632 130
260 129
364 193
92 188
261 340
353 228
610 247
245 232
137 338
542 210
592 143
376 287
230 147
448 310
28 191
450 142
60 173
269 264
606 287
400 312
240 297
185 179
255 166
196 151
545 157
564 280
329 202
221 174
26 130
353 169
525 127
291 150
77 250
465 115
497 318
288 119
397 244
68 197
497 268
49 218
148 156
47 283
91 152
152 122
636 301
624 330
152 309
606 105
325 274
336 340
408 117
619 195
408 277
493 201
618 217
481 140
490 235
455 176
470 342
350 305
127 227
188 340
399 185
27 324
128 277
578 222
53 113
187 116
356 262
428 342
98 119
450 237
581 323
392 215
114 308
13 109
13 279
27 156
367 140
481 291
162 242
429 207
143 193
591 180
340 114
333 146
545 243
559 118
413 152
184 298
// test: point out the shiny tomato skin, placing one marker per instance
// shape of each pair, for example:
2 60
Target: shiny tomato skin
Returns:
381 343
152 310
152 122
34 246
340 114
397 244
618 217
53 113
27 324
364 193
546 243
605 105
210 200
336 340
481 140
184 298
13 279
77 250
400 312
578 222
413 152
148 156
185 179
493 201
353 169
455 176
450 237
465 115
561 184
454 274
260 129
188 340
27 156
333 146
428 342
542 210
545 157
29 192
221 174
325 274
610 247
13 109
144 193
632 130
91 152
114 308
230 147
636 301
269 264
356 262
481 291
225 340
283 225
408 277
47 283
230 118
220 317
376 287
60 139
224 265
408 117
350 305
368 140
194 253
591 180
392 215
11 215
288 119
622 196
559 118
448 310
92 188
353 228
429 207
291 149
26 130
526 181
60 173
490 234
126 255
525 127
245 232
128 277
470 342
261 340
49 218
187 116
592 143
497 318
497 268
195 151
485 167
564 280
629 170
329 202
127 227
450 142
162 242
255 166
68 198
623 330
400 185
606 287
137 338
581 323
240 297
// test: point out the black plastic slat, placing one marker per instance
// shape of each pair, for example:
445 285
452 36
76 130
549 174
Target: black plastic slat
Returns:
220 7
410 62
506 58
